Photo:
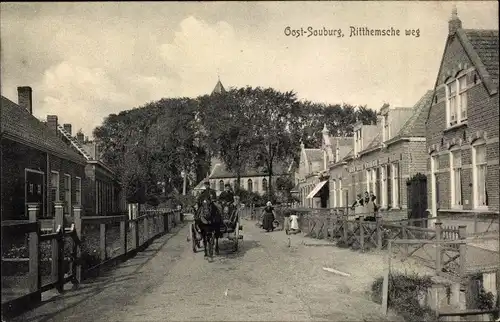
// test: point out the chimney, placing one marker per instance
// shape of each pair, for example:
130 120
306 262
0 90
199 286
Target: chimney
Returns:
67 127
454 23
80 137
24 98
52 123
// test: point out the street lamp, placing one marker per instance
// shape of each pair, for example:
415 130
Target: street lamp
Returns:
184 177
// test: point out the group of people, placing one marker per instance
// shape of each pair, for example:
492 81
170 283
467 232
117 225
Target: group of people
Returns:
227 198
365 206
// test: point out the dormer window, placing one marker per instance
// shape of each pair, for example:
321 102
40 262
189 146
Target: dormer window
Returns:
456 101
358 142
386 134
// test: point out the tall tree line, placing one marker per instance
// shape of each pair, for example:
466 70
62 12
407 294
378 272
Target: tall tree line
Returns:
245 127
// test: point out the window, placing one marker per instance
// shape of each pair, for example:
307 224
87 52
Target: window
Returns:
54 189
456 178
358 144
334 188
67 194
377 180
383 189
368 180
212 185
250 185
434 184
264 184
97 209
462 97
480 174
456 92
373 182
78 191
395 185
340 200
452 102
389 180
221 185
353 188
386 129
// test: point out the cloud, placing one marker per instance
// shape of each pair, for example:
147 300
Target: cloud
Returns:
87 60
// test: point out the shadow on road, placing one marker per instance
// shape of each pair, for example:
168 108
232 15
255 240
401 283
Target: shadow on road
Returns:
226 249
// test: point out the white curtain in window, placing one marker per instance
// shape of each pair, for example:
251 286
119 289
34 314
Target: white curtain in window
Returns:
481 171
457 177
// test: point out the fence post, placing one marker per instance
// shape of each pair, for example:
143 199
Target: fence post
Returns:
123 234
361 234
437 227
379 231
165 222
146 232
102 241
385 284
345 222
404 233
56 243
34 251
462 235
77 266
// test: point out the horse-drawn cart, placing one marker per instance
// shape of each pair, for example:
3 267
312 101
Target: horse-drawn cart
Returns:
230 228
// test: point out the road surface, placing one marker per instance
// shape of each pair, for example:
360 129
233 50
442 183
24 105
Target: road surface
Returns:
269 279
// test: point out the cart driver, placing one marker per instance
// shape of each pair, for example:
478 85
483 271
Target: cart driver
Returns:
207 194
226 197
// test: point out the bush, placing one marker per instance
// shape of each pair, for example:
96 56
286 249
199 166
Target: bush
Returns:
403 296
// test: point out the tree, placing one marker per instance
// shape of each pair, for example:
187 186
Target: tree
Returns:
225 121
272 123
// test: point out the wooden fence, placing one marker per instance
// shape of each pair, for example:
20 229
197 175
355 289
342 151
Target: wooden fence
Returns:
75 252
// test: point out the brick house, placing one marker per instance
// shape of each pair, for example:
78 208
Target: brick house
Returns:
312 173
382 157
462 125
31 154
103 194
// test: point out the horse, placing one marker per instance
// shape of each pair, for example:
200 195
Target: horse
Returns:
208 221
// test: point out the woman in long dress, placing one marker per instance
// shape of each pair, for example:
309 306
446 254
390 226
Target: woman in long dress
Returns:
268 217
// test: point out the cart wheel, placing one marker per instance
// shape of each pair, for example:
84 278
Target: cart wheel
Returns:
193 238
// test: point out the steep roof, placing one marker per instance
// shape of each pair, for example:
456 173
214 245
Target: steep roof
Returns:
22 126
219 89
220 171
314 155
415 125
485 44
376 142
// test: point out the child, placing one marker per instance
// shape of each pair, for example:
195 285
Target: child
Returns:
294 222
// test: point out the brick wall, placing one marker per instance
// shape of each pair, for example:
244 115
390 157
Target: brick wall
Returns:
18 157
482 117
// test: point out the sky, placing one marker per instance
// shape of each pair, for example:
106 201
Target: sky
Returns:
85 61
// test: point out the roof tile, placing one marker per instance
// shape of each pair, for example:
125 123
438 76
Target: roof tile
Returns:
19 123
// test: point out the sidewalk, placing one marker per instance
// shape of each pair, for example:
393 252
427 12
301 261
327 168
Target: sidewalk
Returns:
54 303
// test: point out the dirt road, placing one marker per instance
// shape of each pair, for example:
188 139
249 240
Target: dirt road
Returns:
270 278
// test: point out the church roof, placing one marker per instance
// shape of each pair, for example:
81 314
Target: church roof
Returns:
219 89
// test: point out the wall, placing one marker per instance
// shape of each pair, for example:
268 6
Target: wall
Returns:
483 117
256 183
17 157
411 157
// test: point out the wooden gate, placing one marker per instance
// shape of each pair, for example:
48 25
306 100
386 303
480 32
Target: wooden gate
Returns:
417 199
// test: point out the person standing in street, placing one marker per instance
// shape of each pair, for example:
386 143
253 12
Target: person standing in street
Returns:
268 217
